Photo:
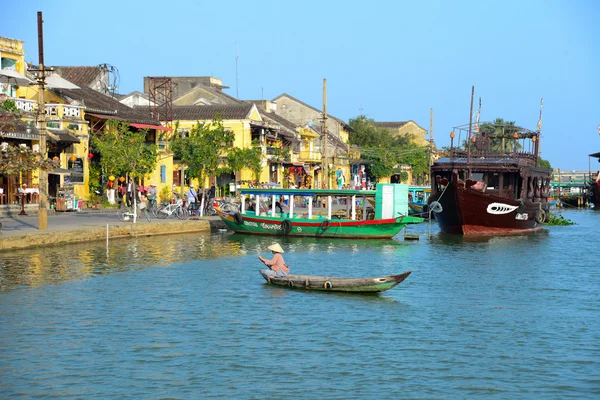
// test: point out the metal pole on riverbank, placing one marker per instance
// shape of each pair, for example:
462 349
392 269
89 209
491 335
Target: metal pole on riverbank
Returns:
43 211
324 162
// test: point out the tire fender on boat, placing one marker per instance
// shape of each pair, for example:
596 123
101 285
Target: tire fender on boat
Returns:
327 285
291 284
540 216
286 226
237 217
325 225
436 207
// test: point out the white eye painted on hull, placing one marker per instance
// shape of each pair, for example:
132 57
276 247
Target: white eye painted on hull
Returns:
500 208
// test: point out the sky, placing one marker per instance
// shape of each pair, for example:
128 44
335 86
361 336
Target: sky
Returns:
389 60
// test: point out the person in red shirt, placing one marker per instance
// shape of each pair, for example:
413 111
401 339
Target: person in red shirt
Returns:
277 266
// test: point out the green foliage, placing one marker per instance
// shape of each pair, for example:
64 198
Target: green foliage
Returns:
254 159
554 220
384 150
123 151
544 164
10 106
95 177
15 159
201 151
165 195
501 127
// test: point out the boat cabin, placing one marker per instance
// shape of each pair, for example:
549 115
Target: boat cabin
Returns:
500 160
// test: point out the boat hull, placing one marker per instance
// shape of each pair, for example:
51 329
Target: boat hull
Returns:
333 284
473 213
279 226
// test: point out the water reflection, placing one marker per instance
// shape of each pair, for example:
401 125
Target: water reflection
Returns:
48 265
51 265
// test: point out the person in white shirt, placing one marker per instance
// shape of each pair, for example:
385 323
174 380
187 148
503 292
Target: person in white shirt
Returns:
191 195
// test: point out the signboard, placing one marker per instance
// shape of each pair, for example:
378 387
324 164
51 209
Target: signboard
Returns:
76 169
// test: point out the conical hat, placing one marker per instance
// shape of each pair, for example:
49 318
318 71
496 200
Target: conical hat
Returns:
276 248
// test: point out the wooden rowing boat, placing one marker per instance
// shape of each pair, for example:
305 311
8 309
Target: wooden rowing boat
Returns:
333 284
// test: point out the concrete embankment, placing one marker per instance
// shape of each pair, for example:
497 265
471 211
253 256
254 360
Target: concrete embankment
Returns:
78 233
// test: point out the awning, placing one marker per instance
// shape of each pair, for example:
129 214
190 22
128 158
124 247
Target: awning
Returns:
104 116
157 127
62 135
55 81
11 76
60 171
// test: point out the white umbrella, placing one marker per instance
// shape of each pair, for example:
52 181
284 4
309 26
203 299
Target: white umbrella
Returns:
13 77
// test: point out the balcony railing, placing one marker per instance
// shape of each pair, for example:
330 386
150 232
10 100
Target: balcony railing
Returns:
309 156
52 110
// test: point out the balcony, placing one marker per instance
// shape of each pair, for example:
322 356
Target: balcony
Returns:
53 111
309 156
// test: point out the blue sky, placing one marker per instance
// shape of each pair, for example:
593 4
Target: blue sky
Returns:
391 60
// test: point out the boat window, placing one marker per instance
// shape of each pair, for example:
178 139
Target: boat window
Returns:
477 176
492 181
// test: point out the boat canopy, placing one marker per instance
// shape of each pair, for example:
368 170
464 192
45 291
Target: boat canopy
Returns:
306 192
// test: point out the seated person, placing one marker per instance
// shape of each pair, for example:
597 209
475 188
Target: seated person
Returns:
276 265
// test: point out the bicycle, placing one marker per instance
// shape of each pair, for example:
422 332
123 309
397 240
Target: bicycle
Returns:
176 209
153 207
125 213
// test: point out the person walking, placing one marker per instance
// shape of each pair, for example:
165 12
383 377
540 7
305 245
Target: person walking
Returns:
129 200
191 196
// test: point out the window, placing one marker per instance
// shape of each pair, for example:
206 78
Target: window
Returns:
163 173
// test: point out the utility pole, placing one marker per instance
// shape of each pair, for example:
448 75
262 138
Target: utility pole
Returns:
41 78
324 136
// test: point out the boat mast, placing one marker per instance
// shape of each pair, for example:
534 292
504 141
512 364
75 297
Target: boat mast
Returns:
469 139
538 146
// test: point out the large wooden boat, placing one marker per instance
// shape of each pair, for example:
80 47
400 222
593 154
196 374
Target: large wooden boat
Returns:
344 222
593 192
333 284
494 186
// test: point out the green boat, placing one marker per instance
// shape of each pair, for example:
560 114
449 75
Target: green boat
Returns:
333 284
349 223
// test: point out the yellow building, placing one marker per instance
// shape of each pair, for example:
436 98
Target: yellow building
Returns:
66 134
248 126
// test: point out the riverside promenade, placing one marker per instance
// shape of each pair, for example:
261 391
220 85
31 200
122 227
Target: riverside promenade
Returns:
21 232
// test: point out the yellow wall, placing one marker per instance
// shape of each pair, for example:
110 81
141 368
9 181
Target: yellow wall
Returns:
413 129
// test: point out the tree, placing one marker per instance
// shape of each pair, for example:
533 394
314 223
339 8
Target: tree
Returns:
236 160
385 151
15 159
501 127
254 159
203 149
122 151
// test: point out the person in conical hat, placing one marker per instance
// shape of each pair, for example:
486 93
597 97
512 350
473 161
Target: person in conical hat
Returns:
277 266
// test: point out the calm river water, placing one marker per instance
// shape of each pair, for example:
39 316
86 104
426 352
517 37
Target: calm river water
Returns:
190 317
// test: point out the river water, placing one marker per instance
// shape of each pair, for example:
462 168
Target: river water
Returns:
189 317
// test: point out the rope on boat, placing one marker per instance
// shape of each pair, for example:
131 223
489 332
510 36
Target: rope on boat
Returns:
438 202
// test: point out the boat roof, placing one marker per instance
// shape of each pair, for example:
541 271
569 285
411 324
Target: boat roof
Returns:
307 192
474 160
